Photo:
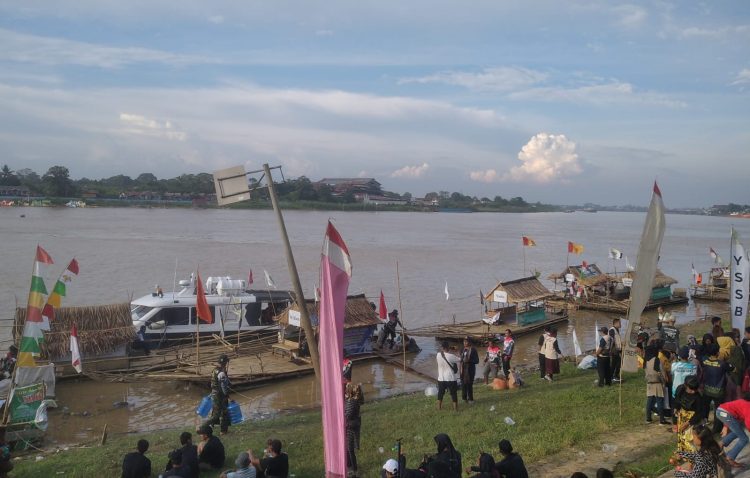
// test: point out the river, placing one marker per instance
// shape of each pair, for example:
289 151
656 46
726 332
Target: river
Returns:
124 252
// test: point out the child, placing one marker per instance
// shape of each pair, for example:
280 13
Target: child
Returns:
701 463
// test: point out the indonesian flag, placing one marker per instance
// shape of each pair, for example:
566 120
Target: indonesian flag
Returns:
201 306
575 248
335 273
528 242
696 279
382 309
615 253
716 257
75 353
58 292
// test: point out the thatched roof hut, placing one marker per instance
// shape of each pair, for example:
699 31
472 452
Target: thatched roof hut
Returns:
588 276
359 313
527 289
660 279
102 329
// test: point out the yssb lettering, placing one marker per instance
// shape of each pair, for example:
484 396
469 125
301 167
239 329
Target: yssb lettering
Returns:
34 397
737 259
738 294
738 277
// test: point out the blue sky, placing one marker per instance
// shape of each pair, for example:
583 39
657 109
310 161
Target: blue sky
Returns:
561 102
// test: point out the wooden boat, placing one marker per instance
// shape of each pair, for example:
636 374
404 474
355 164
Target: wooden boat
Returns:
587 287
521 305
716 288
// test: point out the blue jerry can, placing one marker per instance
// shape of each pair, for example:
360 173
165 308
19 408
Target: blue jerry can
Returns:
204 408
235 413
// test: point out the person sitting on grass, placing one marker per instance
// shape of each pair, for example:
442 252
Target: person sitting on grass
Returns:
177 468
275 465
446 463
511 466
135 464
189 453
244 468
210 450
485 467
701 463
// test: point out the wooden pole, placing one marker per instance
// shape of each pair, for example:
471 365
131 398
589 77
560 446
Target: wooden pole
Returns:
401 308
299 296
198 344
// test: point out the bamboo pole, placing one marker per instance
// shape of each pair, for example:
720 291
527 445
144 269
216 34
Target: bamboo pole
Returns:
401 308
299 296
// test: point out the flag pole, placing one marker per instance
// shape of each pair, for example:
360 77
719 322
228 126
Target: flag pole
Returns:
523 246
401 308
197 337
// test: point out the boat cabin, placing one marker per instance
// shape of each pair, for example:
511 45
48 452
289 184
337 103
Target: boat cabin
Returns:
168 316
360 322
588 281
520 301
661 289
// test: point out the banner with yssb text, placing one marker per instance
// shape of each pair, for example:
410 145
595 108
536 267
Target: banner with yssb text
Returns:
24 403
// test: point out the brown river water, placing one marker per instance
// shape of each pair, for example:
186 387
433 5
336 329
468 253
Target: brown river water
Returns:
123 253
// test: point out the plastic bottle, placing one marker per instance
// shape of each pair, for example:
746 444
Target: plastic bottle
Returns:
204 407
235 412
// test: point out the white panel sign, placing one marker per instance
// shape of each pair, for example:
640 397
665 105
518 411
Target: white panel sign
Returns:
627 282
500 296
740 270
569 278
294 317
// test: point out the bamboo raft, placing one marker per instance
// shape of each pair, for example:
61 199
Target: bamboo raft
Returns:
480 332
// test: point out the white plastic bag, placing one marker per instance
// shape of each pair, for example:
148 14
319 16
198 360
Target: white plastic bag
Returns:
588 362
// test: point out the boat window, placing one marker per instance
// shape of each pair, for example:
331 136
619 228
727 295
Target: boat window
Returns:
176 316
140 310
194 314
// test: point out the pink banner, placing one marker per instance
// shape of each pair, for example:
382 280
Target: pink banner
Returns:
335 272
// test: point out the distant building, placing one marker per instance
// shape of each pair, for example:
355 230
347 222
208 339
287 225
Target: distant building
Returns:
342 186
380 200
14 191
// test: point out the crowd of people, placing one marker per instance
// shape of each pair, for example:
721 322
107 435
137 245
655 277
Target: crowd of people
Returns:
189 460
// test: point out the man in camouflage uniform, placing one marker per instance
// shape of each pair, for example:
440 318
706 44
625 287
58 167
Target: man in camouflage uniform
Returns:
220 395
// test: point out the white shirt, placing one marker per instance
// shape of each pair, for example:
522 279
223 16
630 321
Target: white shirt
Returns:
445 373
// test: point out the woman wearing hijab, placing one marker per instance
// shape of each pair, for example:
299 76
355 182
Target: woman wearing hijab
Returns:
446 463
551 355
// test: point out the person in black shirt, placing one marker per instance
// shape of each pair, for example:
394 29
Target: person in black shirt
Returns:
210 450
511 466
177 468
469 361
189 454
276 465
135 464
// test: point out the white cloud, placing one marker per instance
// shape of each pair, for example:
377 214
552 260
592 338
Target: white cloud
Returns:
486 176
21 47
324 33
489 79
411 171
546 158
743 77
631 16
216 19
600 94
140 125
721 32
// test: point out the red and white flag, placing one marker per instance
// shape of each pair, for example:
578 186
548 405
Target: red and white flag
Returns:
75 353
249 277
202 310
335 273
382 310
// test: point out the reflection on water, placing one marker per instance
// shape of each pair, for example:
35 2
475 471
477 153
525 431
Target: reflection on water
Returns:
84 406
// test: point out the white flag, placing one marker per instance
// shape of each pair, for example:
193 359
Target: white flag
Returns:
615 254
74 352
447 295
315 291
269 280
576 345
740 270
627 265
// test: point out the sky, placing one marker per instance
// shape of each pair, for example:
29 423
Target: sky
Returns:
562 102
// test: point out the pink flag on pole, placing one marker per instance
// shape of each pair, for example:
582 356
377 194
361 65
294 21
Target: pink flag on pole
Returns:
383 310
335 272
75 353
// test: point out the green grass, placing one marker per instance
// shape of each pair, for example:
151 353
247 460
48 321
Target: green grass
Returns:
571 412
654 463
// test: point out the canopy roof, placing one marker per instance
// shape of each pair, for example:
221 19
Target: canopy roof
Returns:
359 312
590 275
521 290
660 279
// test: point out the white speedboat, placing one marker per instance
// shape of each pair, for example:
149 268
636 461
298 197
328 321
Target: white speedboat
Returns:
171 317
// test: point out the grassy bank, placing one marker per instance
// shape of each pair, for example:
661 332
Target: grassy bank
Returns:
571 412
